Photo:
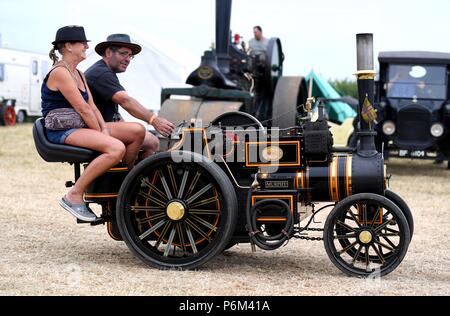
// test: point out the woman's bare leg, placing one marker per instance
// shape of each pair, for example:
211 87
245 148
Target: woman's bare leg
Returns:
132 135
112 151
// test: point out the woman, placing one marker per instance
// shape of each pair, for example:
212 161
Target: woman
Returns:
65 88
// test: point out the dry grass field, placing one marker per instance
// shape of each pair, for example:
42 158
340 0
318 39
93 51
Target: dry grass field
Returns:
44 252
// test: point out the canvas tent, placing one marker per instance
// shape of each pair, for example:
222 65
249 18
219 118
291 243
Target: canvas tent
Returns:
159 65
337 111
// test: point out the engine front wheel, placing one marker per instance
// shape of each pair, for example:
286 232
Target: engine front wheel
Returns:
366 235
176 214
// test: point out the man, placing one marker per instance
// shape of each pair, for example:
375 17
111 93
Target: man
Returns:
258 44
117 52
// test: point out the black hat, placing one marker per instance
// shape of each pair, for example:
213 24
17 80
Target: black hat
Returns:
120 40
70 33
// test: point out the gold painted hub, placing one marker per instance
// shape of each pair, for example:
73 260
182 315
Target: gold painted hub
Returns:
175 211
365 237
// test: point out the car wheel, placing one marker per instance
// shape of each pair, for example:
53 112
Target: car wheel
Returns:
21 117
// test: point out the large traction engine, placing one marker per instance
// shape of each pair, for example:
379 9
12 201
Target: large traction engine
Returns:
226 184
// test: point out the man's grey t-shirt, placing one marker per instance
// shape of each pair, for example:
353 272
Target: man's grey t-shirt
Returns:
103 84
258 46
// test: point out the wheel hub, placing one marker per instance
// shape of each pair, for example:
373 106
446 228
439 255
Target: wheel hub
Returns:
365 237
175 210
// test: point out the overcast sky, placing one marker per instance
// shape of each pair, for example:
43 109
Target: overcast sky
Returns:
317 34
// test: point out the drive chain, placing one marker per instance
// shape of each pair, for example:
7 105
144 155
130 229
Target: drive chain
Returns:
310 238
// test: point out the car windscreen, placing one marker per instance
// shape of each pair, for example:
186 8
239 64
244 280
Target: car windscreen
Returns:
419 81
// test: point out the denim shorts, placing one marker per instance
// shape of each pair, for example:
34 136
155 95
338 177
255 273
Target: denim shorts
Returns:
59 136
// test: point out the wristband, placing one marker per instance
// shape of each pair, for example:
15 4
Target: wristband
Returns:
150 121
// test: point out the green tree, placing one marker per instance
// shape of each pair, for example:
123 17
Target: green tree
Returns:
345 87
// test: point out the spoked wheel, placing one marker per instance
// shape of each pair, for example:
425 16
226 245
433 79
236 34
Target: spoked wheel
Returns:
176 215
7 115
366 234
370 212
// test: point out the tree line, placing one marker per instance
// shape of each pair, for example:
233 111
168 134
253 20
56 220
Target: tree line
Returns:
345 87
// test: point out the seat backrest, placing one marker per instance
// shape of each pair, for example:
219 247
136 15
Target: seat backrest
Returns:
52 152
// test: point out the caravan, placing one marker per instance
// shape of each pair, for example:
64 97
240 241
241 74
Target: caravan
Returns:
21 76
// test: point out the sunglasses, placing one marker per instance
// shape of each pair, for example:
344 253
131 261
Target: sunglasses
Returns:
125 54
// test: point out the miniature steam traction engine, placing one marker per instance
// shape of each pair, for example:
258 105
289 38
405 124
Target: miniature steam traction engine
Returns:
238 182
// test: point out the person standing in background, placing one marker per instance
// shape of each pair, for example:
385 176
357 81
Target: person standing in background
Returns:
258 44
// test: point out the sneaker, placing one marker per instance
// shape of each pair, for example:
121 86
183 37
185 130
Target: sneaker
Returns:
80 211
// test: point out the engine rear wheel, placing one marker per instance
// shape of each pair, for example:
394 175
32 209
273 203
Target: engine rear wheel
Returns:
176 214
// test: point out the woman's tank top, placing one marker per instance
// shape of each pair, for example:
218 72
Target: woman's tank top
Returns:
55 99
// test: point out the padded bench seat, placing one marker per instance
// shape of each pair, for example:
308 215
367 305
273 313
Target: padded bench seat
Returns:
52 152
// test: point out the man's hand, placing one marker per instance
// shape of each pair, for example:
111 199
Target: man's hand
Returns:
163 126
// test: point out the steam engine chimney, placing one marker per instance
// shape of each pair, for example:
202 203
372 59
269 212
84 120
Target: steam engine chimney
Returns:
365 75
223 17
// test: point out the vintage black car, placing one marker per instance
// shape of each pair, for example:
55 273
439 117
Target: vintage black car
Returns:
412 101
